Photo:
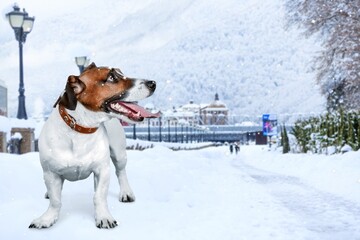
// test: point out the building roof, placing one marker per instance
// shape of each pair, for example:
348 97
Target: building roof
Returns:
191 106
217 103
191 109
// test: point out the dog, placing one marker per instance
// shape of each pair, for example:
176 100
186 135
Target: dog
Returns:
83 133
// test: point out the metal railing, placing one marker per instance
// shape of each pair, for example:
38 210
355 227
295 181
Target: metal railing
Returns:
188 134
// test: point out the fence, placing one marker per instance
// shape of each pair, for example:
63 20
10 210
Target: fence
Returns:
188 134
23 140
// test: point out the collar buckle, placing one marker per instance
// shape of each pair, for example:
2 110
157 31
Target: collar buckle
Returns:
71 122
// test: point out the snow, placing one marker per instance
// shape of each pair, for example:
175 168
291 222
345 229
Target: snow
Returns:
16 136
202 194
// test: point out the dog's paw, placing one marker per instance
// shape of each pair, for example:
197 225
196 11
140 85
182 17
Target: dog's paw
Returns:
106 223
127 197
41 223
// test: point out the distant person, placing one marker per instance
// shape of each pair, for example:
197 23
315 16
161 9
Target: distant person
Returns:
237 148
231 148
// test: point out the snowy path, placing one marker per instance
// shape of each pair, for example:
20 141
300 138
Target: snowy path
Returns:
324 215
206 194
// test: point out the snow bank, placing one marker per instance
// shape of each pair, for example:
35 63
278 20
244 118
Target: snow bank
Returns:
338 174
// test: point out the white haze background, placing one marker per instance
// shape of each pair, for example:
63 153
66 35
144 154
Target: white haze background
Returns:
238 48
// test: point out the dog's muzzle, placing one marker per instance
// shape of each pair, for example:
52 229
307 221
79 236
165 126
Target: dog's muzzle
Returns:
119 105
151 85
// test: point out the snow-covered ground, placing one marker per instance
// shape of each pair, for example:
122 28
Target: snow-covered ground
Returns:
203 194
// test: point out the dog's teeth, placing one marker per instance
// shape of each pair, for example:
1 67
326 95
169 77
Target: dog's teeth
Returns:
118 107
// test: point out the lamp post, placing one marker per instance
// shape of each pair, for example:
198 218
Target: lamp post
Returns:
22 25
134 131
169 136
182 133
149 137
160 137
82 62
176 137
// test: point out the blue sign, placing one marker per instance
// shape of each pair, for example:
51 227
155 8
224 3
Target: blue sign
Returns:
269 125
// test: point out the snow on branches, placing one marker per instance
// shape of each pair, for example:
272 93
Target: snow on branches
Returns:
338 66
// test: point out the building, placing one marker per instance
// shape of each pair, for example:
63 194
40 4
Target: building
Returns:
191 114
3 99
216 113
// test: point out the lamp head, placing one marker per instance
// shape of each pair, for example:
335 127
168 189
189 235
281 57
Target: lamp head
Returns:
15 17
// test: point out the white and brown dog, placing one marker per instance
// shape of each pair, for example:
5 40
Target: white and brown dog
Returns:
83 133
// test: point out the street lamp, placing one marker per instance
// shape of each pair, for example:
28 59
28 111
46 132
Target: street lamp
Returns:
22 25
82 62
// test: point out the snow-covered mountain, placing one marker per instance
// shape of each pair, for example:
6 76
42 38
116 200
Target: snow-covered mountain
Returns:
193 49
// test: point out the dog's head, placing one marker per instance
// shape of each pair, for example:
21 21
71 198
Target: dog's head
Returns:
102 89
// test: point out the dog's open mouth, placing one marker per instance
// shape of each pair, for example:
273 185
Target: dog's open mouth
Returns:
131 110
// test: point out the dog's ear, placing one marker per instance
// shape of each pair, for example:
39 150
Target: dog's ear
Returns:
76 84
92 65
73 87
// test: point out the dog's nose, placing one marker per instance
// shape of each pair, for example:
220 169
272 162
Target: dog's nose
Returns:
151 85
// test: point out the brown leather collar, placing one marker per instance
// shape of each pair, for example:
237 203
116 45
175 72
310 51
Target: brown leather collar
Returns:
71 122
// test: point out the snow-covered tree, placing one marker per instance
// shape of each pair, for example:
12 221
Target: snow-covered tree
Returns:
338 24
285 140
334 129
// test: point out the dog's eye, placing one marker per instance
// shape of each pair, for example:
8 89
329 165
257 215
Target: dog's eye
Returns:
114 75
111 79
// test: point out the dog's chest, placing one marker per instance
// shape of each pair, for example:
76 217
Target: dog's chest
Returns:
74 156
79 162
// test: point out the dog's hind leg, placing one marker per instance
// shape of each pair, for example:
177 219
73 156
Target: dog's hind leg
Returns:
53 184
118 155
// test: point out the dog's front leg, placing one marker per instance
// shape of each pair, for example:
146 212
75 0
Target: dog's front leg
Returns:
119 160
117 142
126 194
103 218
53 184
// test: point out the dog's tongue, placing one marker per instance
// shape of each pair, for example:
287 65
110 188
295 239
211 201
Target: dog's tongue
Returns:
138 109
